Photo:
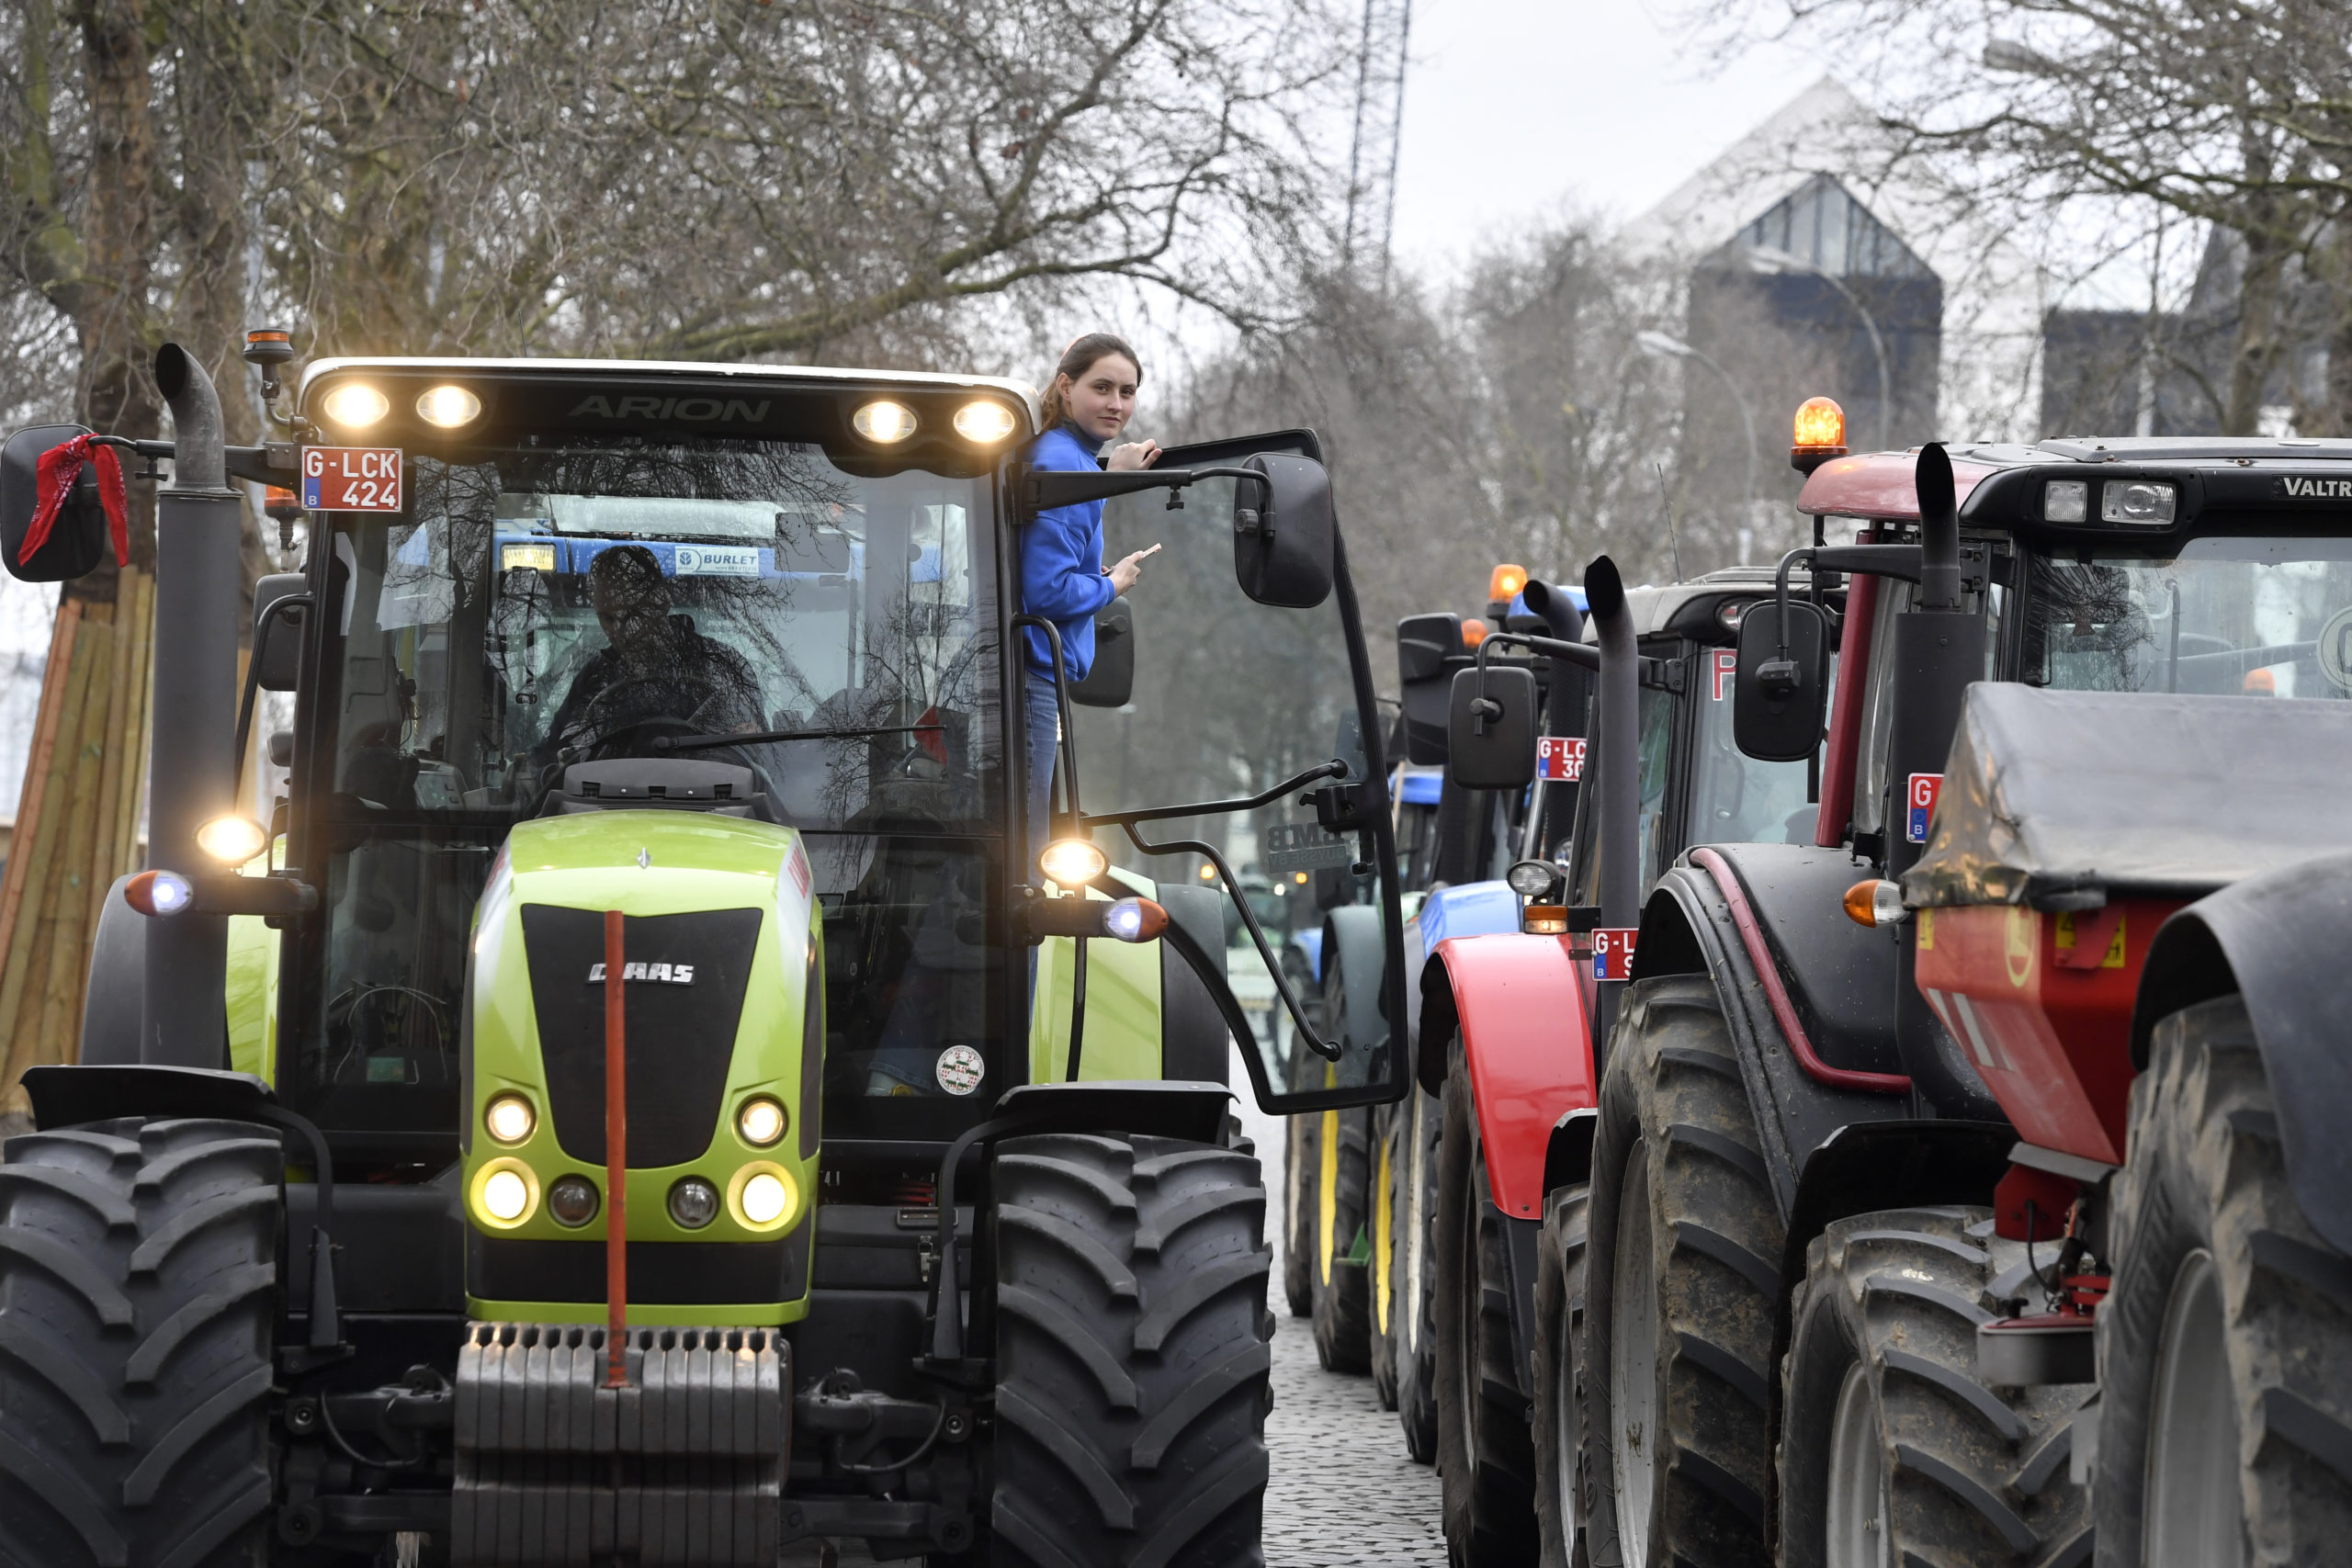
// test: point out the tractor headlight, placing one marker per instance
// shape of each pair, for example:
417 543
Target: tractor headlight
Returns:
984 423
693 1202
509 1118
884 421
763 1197
232 840
1072 862
354 405
504 1194
2144 501
573 1199
1532 878
448 407
762 1122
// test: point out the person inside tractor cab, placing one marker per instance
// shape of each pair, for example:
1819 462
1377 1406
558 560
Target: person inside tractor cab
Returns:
656 674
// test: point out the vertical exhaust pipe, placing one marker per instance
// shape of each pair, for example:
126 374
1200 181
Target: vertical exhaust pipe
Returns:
192 770
1617 809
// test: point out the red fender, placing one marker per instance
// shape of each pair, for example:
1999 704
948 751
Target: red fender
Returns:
1520 1003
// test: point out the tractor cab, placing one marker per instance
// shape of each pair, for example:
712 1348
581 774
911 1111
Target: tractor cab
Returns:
647 942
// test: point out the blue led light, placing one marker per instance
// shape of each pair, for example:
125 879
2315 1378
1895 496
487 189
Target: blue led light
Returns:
1124 919
170 893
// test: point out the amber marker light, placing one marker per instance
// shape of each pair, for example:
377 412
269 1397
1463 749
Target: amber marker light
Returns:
1820 435
984 423
448 407
354 405
1873 901
1474 632
884 421
1545 920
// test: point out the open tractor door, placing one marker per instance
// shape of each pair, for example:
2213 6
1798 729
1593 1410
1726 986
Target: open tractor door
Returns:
606 1115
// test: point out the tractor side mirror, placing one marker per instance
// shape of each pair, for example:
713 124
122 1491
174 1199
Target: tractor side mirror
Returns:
1111 679
1424 643
1283 534
278 639
77 541
1779 694
1490 733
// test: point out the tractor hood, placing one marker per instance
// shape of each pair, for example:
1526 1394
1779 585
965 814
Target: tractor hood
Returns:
723 1006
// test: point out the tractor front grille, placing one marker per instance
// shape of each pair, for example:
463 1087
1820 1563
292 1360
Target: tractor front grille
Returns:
679 1037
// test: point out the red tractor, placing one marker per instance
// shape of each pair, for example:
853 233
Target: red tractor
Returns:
2032 1040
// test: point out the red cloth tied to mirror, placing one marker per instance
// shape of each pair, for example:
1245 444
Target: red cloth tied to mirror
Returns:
59 470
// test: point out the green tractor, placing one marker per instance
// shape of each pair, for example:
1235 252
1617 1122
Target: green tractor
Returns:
637 1100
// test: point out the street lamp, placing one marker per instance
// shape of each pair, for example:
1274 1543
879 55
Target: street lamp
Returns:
1659 345
1772 259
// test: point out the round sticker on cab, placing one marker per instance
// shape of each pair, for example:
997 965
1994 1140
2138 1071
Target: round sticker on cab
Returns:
961 1069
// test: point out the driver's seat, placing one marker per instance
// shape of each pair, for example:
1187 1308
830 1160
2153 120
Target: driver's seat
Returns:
662 783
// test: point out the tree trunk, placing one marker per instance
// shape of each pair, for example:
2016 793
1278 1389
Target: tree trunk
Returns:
77 813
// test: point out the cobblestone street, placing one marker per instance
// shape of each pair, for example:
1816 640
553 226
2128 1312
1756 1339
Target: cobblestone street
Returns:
1343 1493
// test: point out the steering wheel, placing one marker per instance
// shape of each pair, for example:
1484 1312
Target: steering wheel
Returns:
690 725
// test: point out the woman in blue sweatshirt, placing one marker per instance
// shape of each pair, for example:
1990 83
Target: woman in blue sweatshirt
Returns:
1090 399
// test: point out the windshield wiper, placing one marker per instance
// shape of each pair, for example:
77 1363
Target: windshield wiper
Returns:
763 736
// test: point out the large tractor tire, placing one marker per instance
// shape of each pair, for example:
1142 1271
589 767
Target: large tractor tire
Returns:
1133 1353
138 1291
1486 1459
1681 1272
1300 1157
1559 1371
1893 1448
1340 1280
1412 1268
2225 1345
1384 1253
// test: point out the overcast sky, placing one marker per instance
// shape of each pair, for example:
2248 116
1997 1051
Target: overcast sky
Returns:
1517 110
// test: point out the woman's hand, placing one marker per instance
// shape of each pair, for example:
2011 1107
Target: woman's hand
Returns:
1134 454
1123 575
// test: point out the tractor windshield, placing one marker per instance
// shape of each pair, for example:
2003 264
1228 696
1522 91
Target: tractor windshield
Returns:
578 599
2260 616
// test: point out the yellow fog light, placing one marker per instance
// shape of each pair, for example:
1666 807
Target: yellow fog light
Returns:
509 1118
232 840
448 407
539 558
761 1121
354 405
883 420
763 1197
505 1192
1072 862
984 423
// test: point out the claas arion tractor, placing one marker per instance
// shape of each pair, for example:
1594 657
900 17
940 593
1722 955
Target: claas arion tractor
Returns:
637 1100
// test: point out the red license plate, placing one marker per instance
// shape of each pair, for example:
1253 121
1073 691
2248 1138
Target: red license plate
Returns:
350 478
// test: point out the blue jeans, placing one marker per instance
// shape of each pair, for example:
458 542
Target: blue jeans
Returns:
1044 730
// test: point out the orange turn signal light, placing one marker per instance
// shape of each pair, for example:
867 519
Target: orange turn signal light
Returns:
1505 583
1875 902
1545 920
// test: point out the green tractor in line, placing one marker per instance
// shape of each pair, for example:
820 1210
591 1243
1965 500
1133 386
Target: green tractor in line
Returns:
636 1101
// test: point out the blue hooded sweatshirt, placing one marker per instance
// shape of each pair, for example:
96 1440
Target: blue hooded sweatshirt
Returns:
1061 559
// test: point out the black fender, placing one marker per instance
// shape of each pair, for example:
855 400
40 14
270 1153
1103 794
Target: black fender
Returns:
1353 935
1838 977
2279 940
114 1012
1194 1039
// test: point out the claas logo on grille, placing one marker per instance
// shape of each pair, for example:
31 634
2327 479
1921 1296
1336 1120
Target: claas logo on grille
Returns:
659 974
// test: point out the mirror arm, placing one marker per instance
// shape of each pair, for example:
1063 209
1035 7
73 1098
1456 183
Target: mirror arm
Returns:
253 666
1331 769
1043 489
1209 853
1655 673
